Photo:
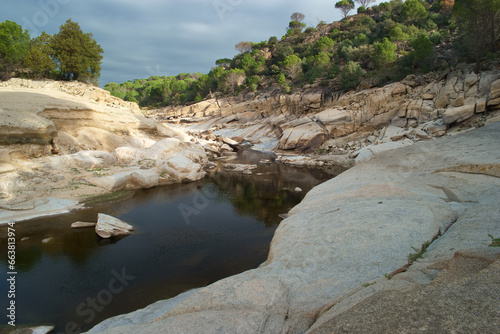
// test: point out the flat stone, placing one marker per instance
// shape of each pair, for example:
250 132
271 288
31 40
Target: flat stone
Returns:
108 226
82 225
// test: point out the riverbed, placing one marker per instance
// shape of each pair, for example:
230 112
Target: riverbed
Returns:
187 236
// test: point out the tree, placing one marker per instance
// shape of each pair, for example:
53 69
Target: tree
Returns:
292 65
351 75
364 3
345 6
77 53
478 22
413 11
299 17
325 44
14 44
224 62
397 35
423 51
234 78
39 57
386 52
243 47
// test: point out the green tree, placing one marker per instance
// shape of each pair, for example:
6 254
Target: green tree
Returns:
14 45
351 75
397 35
345 6
423 50
325 44
479 22
413 11
224 62
77 53
386 52
293 66
39 57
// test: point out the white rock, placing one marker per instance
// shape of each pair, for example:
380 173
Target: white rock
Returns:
108 226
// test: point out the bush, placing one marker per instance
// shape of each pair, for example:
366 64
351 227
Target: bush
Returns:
325 44
435 38
351 75
386 52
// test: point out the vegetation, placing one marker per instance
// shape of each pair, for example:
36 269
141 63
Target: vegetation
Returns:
418 252
381 44
70 54
495 242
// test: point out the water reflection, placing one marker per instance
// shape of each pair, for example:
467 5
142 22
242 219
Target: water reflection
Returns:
230 222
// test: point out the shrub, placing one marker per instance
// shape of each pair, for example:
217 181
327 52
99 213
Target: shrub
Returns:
351 75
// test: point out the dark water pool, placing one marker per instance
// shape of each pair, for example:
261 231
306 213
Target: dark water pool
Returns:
187 236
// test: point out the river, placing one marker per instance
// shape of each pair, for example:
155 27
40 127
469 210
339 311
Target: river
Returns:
187 236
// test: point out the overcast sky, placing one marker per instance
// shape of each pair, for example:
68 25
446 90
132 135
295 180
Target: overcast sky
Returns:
142 38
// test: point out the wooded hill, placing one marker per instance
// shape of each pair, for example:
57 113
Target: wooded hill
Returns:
380 44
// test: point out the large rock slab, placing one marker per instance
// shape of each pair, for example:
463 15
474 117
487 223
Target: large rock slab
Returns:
302 137
108 226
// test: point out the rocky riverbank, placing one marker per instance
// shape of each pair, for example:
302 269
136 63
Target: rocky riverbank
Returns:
62 143
330 127
341 260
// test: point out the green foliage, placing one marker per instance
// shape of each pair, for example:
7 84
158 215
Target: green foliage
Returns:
495 242
397 35
253 82
281 80
418 252
386 52
273 40
413 11
292 66
77 53
38 59
14 45
226 62
478 22
423 51
351 75
361 39
325 44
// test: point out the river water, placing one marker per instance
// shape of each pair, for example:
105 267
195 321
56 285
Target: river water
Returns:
187 236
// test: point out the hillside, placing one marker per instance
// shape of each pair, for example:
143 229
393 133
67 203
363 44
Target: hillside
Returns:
380 44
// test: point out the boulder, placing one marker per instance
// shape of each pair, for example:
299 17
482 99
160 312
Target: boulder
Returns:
113 182
302 137
458 114
108 226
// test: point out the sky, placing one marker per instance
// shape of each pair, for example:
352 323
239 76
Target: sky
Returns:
142 38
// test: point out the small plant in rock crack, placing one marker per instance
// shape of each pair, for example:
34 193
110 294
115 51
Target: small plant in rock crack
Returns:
388 276
495 242
412 257
369 284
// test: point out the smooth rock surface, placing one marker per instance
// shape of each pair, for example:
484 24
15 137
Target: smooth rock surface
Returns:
352 230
